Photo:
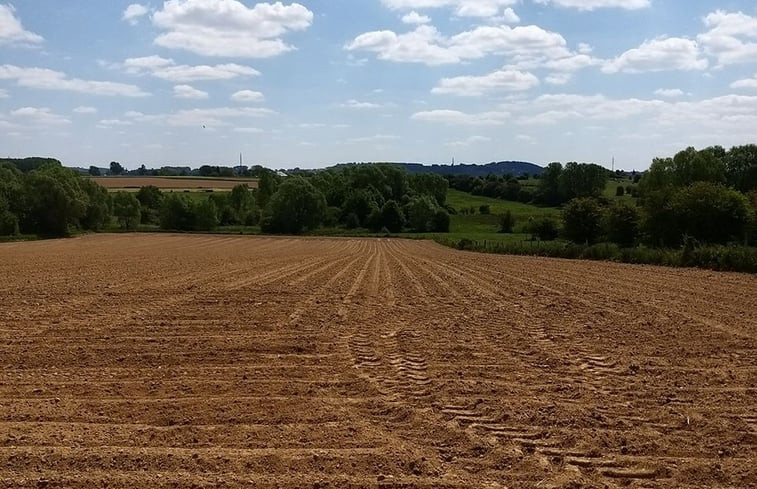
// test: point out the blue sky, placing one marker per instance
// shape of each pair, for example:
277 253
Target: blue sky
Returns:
310 84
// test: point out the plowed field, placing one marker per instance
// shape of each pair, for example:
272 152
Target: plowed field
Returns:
199 361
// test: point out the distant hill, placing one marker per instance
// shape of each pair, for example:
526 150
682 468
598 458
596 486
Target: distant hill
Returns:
515 168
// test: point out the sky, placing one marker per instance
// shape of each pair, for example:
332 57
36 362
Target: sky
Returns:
319 82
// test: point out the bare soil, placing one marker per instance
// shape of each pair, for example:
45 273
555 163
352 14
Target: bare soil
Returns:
173 183
141 361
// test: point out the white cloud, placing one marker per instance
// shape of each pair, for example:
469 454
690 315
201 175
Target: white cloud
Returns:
467 142
38 115
44 79
749 83
673 53
208 118
509 16
229 28
248 97
502 80
11 30
731 38
415 18
167 69
595 4
356 104
85 110
189 92
558 78
462 8
670 92
455 117
114 122
134 12
427 45
248 130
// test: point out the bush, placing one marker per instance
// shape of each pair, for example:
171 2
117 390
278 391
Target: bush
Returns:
297 206
620 191
484 210
543 228
582 220
506 222
440 222
620 224
352 221
421 211
127 210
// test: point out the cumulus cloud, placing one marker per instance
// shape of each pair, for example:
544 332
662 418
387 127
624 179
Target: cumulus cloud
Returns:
462 8
731 37
134 12
38 115
210 118
167 69
189 92
467 142
669 92
45 79
673 53
501 80
415 18
228 28
12 31
596 4
427 45
248 97
749 83
458 118
85 110
356 104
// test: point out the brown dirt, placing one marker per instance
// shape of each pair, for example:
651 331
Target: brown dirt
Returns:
135 183
136 361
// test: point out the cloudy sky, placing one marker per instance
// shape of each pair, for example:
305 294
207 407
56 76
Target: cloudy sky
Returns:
189 82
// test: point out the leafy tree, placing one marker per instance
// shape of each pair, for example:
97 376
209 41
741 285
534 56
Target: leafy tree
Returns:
620 224
430 184
94 171
241 198
440 221
544 228
297 206
53 201
711 213
686 167
151 199
582 220
360 202
506 222
98 211
392 217
267 184
421 211
8 220
127 210
116 168
582 180
741 167
177 213
205 215
549 185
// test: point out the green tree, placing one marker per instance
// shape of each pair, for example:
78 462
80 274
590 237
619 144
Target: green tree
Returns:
205 215
440 221
392 217
241 198
116 168
421 211
506 222
98 212
581 180
582 220
620 223
94 171
711 213
151 199
430 184
543 228
296 207
267 184
741 167
54 201
8 220
177 213
548 191
127 210
360 202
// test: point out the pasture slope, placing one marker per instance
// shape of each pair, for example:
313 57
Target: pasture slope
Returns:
167 361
